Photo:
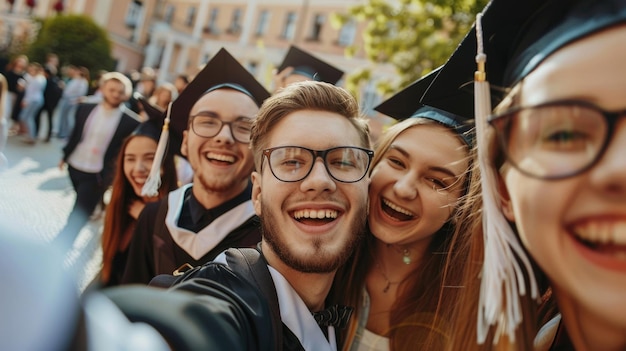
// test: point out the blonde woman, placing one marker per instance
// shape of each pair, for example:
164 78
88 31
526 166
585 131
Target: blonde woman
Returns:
395 280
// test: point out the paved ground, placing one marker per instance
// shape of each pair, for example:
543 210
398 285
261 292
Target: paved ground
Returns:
37 197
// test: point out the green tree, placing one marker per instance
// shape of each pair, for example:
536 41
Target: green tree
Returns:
414 36
76 39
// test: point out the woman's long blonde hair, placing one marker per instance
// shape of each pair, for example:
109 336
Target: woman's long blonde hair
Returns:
419 316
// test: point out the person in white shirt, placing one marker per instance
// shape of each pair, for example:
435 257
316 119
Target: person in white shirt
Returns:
92 148
33 100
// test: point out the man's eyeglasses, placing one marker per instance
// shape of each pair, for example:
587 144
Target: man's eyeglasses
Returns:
346 164
557 139
210 126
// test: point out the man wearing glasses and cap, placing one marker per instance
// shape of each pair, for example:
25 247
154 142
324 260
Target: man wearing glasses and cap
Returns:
210 125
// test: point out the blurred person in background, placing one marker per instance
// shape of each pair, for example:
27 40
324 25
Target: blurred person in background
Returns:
92 149
162 96
33 101
51 96
181 82
75 88
16 84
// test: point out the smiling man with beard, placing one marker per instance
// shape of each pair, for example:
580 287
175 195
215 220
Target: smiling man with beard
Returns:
311 153
212 116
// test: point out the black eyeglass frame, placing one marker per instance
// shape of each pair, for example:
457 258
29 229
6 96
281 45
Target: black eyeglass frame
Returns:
318 153
501 121
222 123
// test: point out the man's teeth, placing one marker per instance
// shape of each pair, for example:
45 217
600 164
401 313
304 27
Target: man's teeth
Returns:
398 208
315 214
603 233
221 157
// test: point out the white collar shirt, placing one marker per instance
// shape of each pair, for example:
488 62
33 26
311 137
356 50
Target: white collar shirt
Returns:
88 156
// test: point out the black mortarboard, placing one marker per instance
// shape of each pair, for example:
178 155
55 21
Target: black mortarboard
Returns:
406 104
222 71
310 66
153 126
518 36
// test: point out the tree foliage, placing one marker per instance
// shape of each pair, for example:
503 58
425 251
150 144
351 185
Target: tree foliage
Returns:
76 39
414 36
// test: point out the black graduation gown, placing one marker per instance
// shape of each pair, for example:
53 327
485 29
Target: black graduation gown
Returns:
153 250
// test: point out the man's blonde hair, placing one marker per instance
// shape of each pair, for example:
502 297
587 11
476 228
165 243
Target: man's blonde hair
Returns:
307 95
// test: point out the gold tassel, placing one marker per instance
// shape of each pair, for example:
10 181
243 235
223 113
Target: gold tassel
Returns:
501 271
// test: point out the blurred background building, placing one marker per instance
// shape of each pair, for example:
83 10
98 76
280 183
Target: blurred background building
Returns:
179 36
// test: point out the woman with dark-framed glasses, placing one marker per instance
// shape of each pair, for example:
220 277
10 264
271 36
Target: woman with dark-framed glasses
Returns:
554 181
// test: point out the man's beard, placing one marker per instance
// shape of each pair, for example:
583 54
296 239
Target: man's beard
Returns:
320 261
213 185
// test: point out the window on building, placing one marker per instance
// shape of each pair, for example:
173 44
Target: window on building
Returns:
316 29
168 17
347 34
235 23
133 14
263 23
290 26
211 26
191 16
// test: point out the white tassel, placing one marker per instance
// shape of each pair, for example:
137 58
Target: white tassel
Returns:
152 184
501 270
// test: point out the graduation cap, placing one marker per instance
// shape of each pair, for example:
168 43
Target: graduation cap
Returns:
518 36
156 117
406 104
223 71
307 65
